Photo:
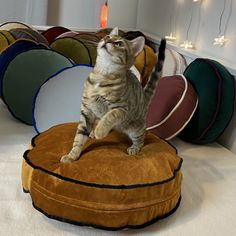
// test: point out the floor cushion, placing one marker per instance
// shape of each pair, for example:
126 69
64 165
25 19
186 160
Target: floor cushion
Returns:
58 100
145 62
72 48
52 33
105 188
13 25
215 88
12 51
24 75
172 106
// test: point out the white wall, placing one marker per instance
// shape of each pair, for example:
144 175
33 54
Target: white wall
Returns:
159 17
75 13
28 11
122 13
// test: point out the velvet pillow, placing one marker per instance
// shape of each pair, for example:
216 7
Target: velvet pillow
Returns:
106 188
171 107
215 88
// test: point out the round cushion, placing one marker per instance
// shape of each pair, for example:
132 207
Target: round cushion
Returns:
3 42
215 88
174 64
8 35
21 33
13 25
10 53
58 99
52 33
172 106
105 188
67 34
24 75
145 62
72 48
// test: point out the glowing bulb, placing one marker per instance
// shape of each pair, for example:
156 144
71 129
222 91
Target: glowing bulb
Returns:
187 45
170 37
221 40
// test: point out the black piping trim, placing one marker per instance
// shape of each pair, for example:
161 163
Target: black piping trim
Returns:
109 228
25 191
25 156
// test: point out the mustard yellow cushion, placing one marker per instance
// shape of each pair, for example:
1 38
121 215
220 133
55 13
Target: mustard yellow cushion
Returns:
105 188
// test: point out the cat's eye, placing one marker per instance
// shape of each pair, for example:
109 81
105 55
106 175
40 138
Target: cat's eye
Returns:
119 43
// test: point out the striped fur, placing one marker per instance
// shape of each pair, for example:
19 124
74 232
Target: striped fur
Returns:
113 98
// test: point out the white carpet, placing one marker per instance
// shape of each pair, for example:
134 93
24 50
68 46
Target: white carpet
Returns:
208 205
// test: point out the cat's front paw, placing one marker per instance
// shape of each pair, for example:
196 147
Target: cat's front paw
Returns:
100 132
133 150
67 159
92 134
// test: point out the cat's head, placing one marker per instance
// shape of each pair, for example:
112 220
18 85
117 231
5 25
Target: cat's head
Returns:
113 49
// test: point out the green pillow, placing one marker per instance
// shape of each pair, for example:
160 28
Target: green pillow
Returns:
23 77
215 88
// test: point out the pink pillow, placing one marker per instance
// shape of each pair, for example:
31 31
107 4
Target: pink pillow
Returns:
172 106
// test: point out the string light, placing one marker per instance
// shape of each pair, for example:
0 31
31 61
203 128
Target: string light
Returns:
171 36
221 40
188 44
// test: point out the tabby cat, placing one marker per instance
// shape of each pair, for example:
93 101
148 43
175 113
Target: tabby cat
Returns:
113 96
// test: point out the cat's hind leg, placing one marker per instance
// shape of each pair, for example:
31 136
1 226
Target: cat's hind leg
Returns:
138 142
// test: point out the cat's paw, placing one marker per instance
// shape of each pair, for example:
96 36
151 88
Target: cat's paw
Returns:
67 159
100 132
133 150
92 134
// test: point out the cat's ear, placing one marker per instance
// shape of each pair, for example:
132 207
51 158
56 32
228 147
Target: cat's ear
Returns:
115 31
138 44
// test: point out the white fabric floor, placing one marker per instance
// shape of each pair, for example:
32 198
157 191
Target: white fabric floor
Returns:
208 204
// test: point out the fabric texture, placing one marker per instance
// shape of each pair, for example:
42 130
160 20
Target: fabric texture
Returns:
215 88
145 62
172 106
105 188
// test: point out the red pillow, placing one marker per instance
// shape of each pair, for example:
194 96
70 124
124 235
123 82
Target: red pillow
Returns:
171 107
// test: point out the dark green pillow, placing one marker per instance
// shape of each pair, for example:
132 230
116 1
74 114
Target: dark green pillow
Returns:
215 88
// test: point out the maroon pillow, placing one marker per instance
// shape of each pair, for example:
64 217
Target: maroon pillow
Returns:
172 106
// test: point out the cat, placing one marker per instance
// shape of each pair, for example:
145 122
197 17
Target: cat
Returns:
114 96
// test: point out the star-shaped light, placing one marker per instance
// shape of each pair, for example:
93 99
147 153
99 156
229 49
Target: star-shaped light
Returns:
221 40
170 37
187 45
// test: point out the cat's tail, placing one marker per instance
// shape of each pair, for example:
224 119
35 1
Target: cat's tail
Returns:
157 72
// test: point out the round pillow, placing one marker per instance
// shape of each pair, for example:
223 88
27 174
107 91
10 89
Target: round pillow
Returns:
174 64
10 53
3 42
24 75
145 62
106 188
72 48
8 35
215 88
58 99
13 25
52 33
172 106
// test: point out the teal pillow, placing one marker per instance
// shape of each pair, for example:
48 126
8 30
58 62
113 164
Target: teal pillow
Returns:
215 88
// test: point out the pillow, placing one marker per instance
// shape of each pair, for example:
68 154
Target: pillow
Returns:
72 48
105 188
13 25
58 100
172 106
145 62
174 64
215 88
52 33
10 53
24 75
3 42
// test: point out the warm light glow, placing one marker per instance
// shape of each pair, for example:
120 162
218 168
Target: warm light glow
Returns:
103 19
170 37
187 45
221 40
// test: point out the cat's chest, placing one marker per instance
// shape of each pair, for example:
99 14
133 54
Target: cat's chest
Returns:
99 105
